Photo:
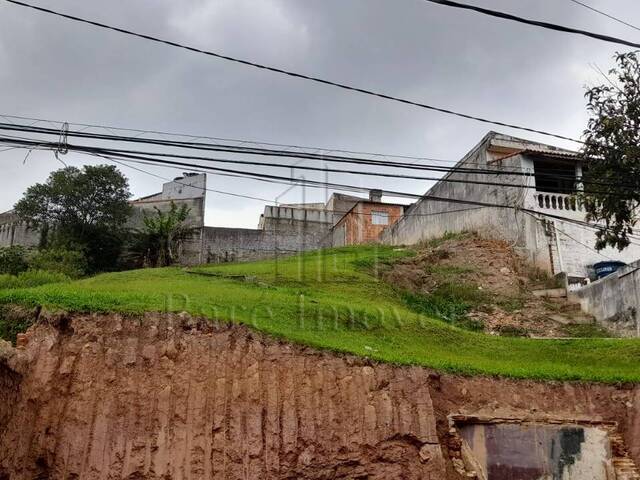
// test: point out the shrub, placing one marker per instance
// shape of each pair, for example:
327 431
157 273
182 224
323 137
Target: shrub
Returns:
449 301
31 278
12 322
13 260
71 263
159 242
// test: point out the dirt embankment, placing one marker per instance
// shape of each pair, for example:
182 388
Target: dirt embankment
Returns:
491 283
162 397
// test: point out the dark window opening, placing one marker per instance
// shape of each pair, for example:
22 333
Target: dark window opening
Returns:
555 176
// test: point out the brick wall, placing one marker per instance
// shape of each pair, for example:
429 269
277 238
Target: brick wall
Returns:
358 226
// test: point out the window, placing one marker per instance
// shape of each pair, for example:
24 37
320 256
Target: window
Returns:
379 218
555 176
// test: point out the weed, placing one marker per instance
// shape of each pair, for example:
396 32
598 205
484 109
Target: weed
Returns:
512 331
448 236
586 331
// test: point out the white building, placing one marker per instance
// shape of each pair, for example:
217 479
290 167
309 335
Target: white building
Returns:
544 233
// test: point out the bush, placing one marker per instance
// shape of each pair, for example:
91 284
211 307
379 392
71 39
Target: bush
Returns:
31 278
12 322
71 263
13 260
449 301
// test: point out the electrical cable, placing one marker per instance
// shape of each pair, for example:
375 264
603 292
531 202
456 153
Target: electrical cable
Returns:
305 155
259 151
608 15
527 21
293 74
133 153
111 128
317 184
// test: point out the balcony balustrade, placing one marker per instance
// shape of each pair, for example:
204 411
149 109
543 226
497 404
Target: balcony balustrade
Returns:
558 201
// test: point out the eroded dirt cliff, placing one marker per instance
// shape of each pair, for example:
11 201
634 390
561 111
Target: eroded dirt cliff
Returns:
167 397
105 396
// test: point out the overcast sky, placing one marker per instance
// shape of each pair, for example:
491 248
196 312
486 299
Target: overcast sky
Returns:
56 69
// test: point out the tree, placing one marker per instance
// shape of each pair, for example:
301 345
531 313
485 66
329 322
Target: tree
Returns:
159 242
612 153
84 210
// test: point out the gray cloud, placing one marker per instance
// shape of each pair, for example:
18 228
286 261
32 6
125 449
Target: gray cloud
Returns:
56 69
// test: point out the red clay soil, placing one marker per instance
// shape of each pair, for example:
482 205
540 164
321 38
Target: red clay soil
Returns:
169 397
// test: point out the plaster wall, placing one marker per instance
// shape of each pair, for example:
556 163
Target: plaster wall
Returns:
614 301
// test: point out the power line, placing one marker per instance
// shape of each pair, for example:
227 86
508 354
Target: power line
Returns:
257 151
111 128
124 163
289 73
277 153
619 20
221 192
318 184
527 21
326 158
143 155
235 140
445 179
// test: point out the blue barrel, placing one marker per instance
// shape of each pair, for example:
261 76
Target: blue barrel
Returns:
607 268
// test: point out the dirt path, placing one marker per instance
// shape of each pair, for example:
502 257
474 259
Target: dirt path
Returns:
97 397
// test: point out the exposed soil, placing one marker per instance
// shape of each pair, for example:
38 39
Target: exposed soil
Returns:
106 396
503 279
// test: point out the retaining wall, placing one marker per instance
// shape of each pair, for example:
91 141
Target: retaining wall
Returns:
282 237
614 301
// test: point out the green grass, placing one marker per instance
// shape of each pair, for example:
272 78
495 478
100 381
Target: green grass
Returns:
333 300
586 331
31 278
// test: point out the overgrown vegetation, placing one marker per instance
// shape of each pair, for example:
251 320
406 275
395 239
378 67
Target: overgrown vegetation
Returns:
71 263
437 241
158 242
13 260
325 299
31 278
22 268
450 302
12 322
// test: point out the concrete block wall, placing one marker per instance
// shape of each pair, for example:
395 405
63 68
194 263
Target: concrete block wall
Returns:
551 244
14 231
614 301
240 244
294 213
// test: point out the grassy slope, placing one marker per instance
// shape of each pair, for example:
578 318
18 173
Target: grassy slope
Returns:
328 300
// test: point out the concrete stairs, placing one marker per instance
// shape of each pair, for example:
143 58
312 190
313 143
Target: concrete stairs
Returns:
568 312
